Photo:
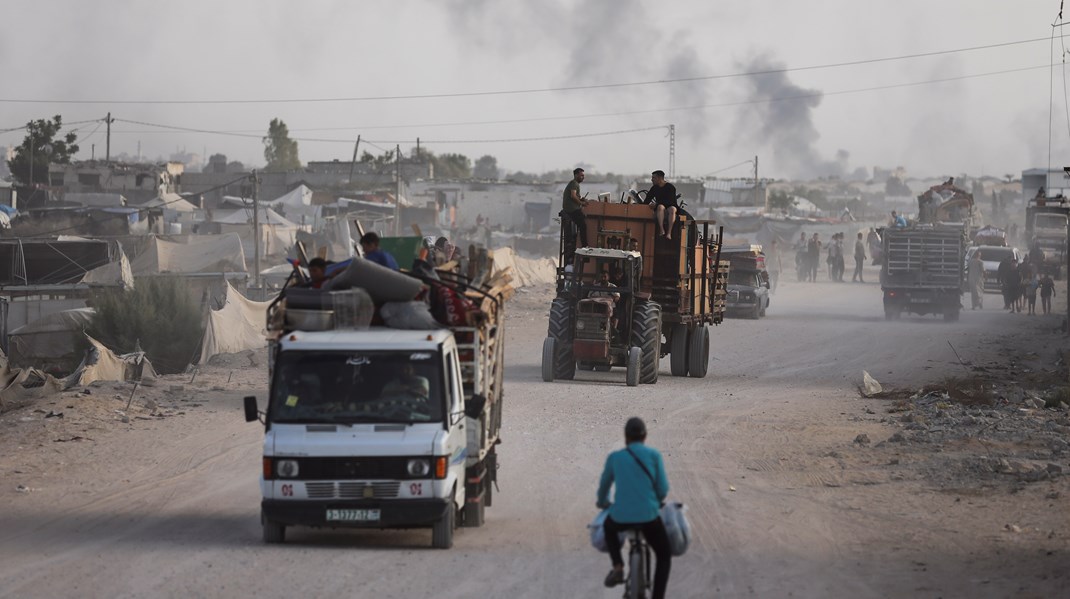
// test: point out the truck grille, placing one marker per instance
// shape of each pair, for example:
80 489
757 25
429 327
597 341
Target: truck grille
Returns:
353 490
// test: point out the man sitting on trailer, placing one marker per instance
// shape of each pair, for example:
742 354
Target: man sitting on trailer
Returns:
663 197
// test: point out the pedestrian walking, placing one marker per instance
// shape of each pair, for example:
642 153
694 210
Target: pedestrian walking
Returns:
838 266
975 281
1008 281
860 259
773 265
1031 294
813 253
1047 290
1025 276
802 260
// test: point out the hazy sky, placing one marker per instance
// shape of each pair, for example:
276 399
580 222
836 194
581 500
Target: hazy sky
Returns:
273 50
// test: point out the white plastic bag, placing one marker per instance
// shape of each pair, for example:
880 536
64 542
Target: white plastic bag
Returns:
598 532
872 387
674 515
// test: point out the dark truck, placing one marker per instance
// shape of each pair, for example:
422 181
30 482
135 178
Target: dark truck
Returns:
923 270
1045 233
748 281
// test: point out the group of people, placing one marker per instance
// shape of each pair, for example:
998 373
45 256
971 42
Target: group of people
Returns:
369 245
662 197
808 257
1020 283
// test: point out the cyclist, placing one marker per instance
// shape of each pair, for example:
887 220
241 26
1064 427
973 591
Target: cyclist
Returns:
639 475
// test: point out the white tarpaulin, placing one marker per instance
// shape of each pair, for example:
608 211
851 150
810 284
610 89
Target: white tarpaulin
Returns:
297 206
113 274
101 364
238 326
526 272
171 201
203 254
48 342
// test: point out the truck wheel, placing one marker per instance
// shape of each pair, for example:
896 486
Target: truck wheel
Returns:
631 375
762 313
549 354
678 353
274 532
561 330
698 355
442 531
646 335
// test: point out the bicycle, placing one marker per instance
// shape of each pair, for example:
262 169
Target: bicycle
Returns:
637 582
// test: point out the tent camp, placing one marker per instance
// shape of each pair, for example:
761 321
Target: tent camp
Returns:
297 206
236 327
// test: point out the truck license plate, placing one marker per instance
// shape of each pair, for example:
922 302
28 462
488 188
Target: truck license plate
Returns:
919 300
352 515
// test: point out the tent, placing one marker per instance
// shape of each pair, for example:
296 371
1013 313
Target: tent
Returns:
277 234
297 206
101 364
203 254
238 326
172 202
48 342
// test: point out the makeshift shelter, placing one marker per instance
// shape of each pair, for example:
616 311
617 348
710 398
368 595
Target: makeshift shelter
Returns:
297 206
238 326
49 342
207 254
277 234
101 364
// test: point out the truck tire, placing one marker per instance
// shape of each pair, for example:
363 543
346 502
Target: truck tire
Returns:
646 335
631 375
274 533
698 355
442 531
549 356
561 330
678 353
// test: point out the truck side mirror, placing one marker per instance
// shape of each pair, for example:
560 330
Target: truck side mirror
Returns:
474 407
251 412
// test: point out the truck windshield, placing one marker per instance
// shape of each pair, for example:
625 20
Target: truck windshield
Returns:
996 254
353 387
741 277
1051 222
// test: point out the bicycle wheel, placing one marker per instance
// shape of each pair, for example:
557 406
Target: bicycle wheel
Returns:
636 588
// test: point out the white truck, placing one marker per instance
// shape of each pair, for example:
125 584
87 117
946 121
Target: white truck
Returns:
380 427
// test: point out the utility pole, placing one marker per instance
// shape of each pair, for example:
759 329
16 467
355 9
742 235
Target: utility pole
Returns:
397 196
353 164
672 151
107 147
756 182
256 232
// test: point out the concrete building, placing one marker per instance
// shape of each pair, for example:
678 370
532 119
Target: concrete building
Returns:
137 182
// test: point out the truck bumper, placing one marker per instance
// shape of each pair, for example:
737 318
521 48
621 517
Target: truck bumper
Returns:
922 301
392 514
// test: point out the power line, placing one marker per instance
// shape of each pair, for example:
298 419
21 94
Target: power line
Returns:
534 90
588 116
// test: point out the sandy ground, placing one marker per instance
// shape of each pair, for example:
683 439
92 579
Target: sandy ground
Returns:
783 501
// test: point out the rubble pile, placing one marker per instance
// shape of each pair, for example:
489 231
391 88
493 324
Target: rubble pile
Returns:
981 431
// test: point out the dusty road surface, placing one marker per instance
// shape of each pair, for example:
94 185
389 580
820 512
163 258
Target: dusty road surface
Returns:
784 501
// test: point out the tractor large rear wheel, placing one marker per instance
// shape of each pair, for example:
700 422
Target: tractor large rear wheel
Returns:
678 345
646 335
561 330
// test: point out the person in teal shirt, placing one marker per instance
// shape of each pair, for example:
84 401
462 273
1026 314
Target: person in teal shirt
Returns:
638 473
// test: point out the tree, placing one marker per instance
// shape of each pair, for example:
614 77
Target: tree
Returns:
279 150
486 168
781 200
43 148
452 166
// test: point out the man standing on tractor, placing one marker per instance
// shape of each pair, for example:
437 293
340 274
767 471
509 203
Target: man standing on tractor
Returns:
572 208
662 195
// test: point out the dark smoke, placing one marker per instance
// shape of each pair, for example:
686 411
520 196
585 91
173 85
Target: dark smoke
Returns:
780 120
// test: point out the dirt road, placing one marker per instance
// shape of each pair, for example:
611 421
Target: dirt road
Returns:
783 501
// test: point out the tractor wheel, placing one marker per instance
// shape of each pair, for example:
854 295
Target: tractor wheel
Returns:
635 360
698 359
561 331
549 354
678 355
646 335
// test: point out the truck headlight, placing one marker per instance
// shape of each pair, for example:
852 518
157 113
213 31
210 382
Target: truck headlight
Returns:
287 468
418 467
580 325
